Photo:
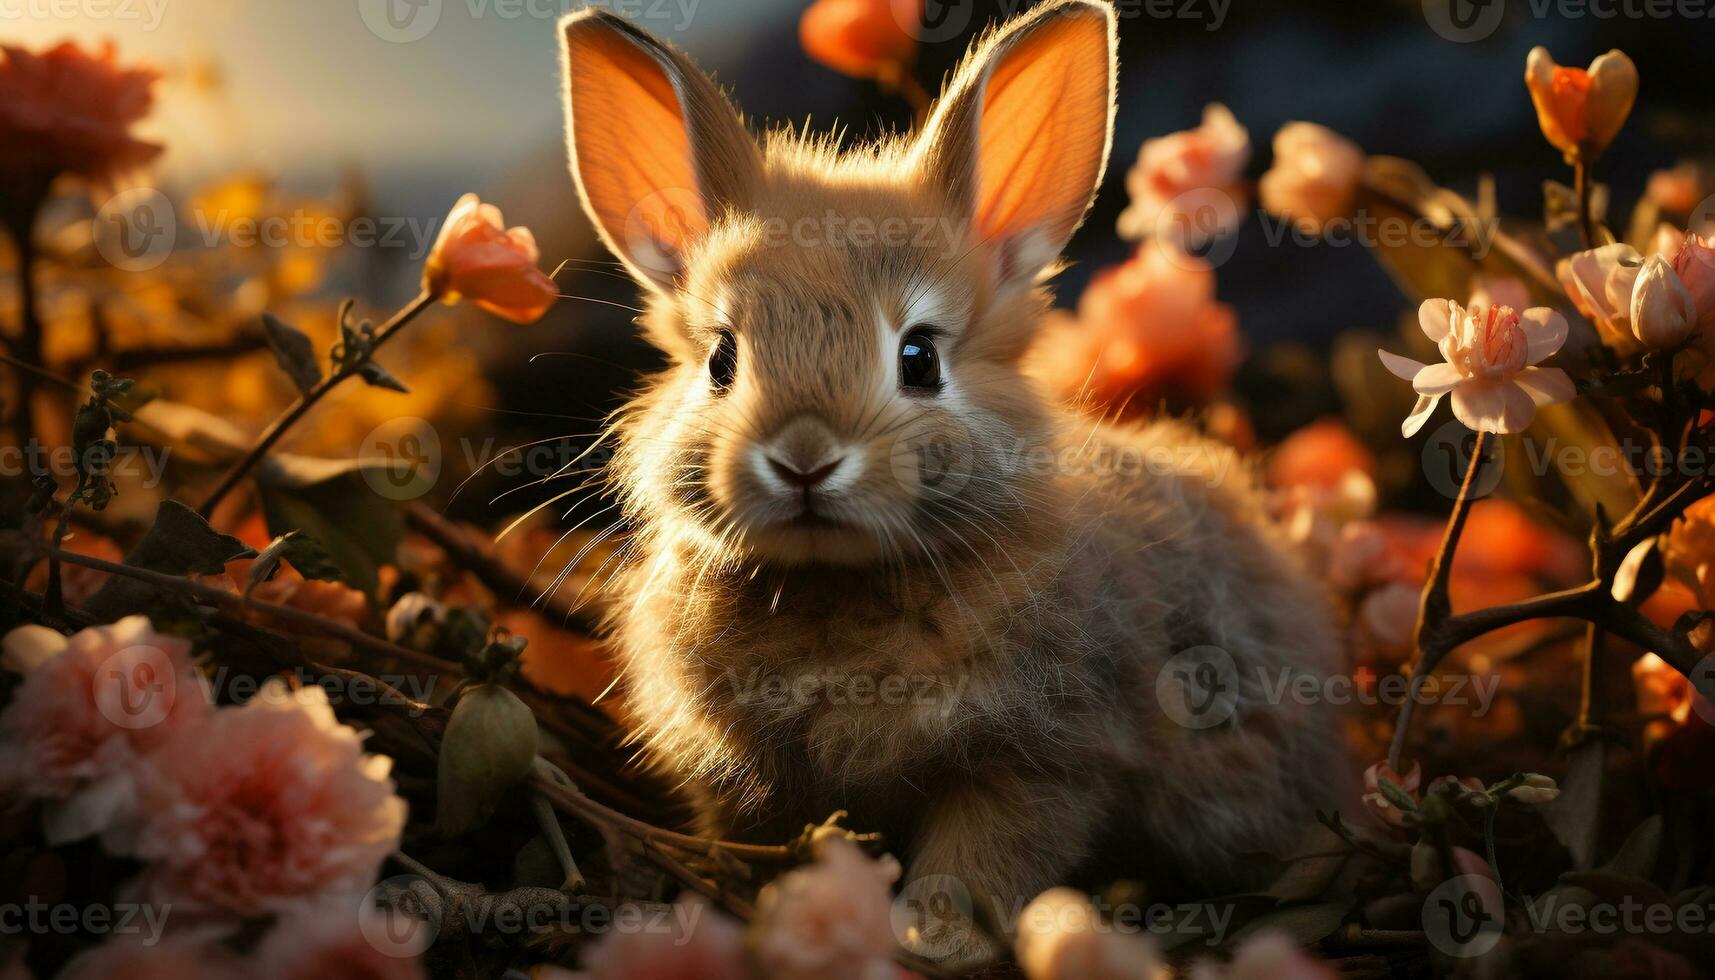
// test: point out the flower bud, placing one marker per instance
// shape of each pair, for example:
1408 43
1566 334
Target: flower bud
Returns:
1663 313
1536 790
489 746
1580 110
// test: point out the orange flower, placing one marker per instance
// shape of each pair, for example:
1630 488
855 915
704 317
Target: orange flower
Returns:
69 111
477 257
861 38
1320 455
1146 332
1581 110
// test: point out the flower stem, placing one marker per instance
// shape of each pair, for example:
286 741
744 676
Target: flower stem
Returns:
236 473
27 348
1435 608
1583 189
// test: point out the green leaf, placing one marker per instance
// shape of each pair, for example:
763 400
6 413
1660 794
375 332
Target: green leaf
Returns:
302 551
293 350
332 501
378 376
180 543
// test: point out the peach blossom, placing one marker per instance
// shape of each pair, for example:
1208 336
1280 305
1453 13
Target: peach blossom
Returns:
1210 158
1663 312
1580 110
1377 802
1499 291
67 110
704 944
1600 282
179 955
327 942
1694 264
1147 331
1061 937
1676 191
830 920
861 38
1269 955
1490 365
1314 178
264 806
477 257
88 708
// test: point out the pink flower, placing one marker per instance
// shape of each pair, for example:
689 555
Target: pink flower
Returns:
1060 937
1378 803
328 942
1499 291
1269 955
477 257
1211 158
1314 177
88 708
704 944
67 110
1600 283
831 920
1676 191
192 955
1489 369
265 805
1663 312
1147 331
1694 264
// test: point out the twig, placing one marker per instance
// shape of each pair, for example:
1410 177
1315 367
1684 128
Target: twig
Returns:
491 571
239 469
580 805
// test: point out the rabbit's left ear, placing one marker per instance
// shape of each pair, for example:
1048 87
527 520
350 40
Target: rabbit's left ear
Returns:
1021 136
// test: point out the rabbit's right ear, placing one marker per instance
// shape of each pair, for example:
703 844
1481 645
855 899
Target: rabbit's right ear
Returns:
656 149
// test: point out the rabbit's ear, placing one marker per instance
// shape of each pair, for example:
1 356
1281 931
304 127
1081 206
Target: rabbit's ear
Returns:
656 149
1021 136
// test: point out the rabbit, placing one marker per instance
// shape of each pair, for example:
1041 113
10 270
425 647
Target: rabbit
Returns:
871 566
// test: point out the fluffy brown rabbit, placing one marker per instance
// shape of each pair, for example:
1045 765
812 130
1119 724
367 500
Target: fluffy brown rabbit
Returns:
873 568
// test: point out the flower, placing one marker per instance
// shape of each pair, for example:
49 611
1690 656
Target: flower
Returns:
1600 282
88 708
1581 110
477 257
1694 264
1211 157
1269 955
862 38
332 942
1320 455
1379 804
703 944
1663 313
1060 937
1489 369
1499 291
1314 177
69 111
265 805
831 920
1147 331
1676 191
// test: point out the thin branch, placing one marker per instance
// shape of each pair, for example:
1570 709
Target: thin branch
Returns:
489 570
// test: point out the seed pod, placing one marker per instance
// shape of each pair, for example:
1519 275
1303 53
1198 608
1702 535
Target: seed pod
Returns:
488 748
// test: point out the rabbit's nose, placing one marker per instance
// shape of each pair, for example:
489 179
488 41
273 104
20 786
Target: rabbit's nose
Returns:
803 479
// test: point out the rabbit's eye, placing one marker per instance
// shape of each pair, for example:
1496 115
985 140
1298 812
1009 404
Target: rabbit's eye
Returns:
919 365
723 362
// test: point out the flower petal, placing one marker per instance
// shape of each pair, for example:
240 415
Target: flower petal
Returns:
1419 415
1544 332
1435 316
1499 407
1546 386
1437 379
1401 367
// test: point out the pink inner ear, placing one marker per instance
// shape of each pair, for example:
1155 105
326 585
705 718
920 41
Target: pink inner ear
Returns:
1044 130
634 155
